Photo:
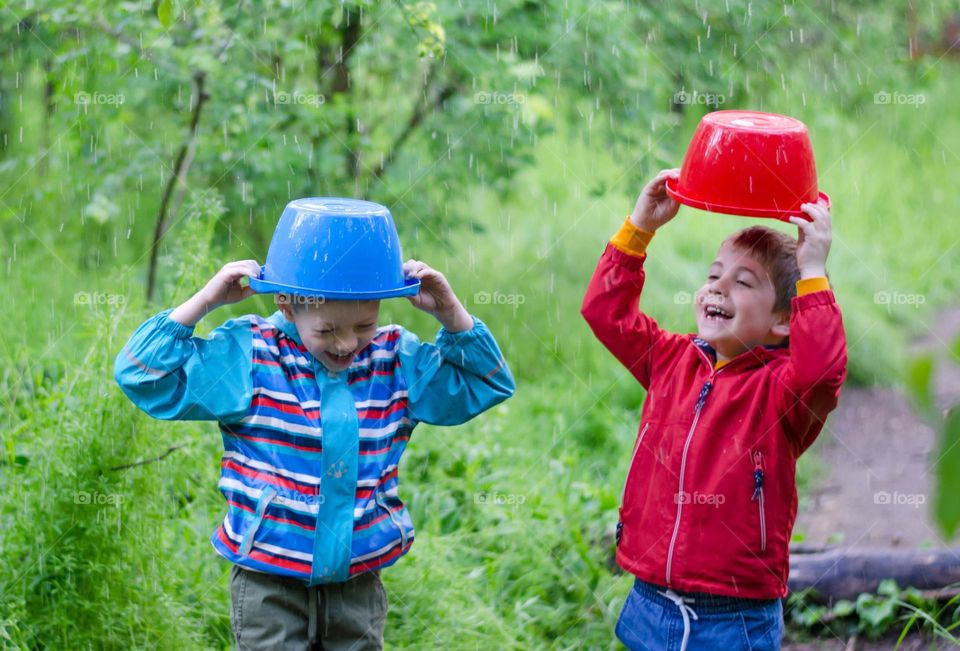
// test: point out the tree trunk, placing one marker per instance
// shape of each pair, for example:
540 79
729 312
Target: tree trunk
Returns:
839 574
350 36
48 93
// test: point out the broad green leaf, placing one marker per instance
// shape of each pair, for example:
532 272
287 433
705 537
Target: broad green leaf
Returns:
165 13
889 588
843 608
918 379
946 503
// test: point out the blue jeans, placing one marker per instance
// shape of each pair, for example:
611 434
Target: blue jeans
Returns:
652 619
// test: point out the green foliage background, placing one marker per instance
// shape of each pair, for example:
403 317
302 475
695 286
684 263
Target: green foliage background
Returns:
509 139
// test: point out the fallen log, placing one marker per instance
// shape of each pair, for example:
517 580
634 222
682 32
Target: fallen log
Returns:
843 574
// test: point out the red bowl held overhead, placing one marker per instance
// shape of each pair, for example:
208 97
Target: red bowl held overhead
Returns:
748 163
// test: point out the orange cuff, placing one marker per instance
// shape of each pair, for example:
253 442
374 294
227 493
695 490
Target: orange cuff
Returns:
631 240
810 285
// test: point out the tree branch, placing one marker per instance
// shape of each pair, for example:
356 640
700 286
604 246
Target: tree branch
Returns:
142 52
185 154
422 108
181 166
144 462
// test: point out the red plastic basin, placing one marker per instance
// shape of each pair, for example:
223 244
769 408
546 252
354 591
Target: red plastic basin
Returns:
748 163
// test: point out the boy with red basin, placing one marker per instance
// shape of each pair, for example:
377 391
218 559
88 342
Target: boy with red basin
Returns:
710 498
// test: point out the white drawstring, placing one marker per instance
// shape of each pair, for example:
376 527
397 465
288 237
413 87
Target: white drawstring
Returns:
685 611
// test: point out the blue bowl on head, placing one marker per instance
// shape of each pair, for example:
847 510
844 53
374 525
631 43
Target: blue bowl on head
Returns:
340 249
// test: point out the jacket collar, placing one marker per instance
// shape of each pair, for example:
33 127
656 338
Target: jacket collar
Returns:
756 356
286 327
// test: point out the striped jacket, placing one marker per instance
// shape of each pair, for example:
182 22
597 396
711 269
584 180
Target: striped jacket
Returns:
309 468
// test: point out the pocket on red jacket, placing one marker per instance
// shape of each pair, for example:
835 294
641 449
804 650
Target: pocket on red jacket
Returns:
638 450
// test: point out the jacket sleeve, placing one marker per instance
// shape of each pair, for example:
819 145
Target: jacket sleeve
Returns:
458 377
172 375
611 308
810 384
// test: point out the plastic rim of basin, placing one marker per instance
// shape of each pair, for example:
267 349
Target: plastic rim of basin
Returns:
336 248
748 163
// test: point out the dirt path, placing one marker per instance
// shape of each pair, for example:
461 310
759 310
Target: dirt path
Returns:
878 455
877 486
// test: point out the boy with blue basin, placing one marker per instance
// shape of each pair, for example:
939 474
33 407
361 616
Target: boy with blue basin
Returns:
315 405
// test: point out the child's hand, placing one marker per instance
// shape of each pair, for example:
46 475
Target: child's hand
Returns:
654 206
224 288
814 239
436 297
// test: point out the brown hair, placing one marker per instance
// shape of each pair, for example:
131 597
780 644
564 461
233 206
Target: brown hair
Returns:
777 253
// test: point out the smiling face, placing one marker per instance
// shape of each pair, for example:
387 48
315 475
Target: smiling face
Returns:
735 307
334 331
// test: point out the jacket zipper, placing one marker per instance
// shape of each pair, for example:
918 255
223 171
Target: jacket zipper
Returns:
701 399
378 498
758 496
623 493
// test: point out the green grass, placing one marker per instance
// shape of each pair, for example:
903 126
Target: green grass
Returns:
534 573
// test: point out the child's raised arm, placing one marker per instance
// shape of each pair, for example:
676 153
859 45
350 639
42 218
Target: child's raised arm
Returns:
463 373
172 375
611 304
818 346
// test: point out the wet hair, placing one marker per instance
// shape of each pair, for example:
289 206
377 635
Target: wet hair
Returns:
777 253
299 302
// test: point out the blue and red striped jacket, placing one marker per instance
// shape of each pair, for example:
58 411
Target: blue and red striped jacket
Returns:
309 468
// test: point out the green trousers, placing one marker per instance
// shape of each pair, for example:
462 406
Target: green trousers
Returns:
272 612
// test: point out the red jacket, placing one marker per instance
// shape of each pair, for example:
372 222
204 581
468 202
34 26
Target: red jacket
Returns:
711 497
